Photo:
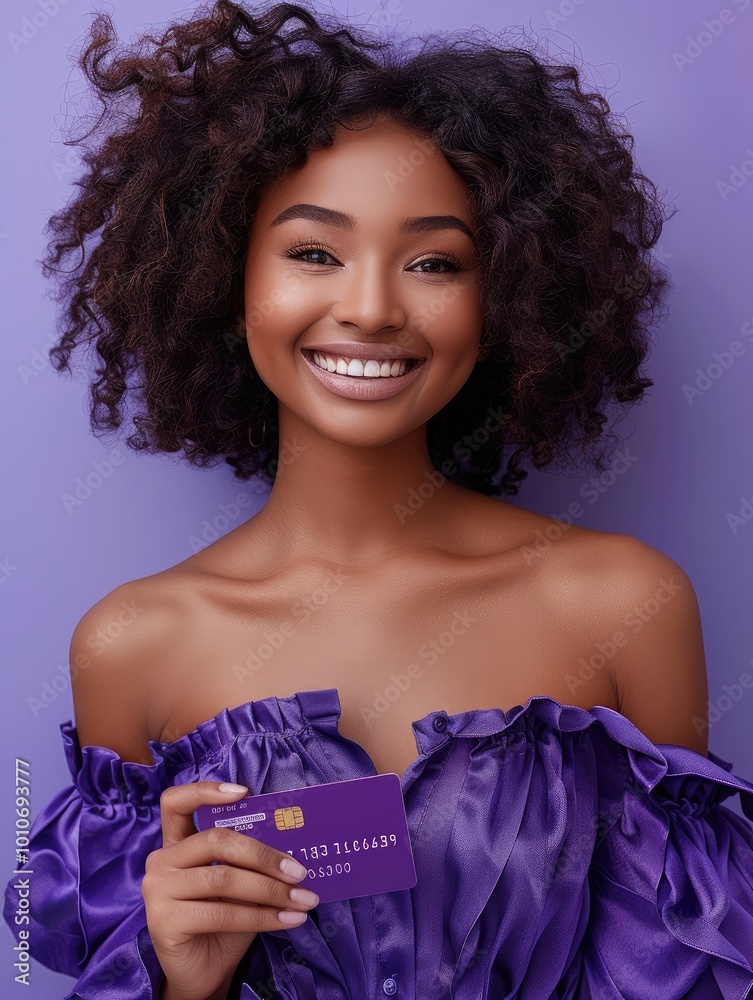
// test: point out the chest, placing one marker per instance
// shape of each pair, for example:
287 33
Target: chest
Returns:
395 649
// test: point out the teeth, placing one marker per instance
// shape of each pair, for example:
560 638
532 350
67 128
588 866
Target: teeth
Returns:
359 368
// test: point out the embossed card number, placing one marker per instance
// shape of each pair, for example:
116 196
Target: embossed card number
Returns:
351 836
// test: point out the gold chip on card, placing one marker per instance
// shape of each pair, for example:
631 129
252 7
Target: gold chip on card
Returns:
289 818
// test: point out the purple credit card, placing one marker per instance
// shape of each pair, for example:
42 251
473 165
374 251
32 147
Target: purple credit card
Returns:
351 836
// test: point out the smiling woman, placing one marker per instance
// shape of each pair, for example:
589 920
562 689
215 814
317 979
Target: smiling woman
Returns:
382 282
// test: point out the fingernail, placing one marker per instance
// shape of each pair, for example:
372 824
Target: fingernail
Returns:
304 896
291 916
228 788
292 868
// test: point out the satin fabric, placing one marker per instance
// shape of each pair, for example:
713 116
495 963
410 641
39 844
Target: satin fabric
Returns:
560 855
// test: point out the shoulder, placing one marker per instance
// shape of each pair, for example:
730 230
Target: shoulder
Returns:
616 565
115 652
640 605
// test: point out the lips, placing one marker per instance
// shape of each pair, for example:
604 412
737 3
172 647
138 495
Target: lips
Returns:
363 387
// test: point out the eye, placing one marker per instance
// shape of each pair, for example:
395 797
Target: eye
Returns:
299 252
449 260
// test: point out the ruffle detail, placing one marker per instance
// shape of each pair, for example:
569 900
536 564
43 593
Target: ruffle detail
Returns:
673 878
643 885
103 778
560 855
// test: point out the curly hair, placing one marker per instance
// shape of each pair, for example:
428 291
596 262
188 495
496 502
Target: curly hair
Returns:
196 123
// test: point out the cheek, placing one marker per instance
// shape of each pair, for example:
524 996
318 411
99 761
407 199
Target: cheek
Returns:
450 320
274 303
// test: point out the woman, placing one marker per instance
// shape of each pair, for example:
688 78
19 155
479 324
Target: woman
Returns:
365 278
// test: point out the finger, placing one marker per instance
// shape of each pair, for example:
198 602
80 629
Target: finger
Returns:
238 884
232 847
178 802
222 918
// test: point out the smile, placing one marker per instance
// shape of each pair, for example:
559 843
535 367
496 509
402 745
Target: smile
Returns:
363 368
358 378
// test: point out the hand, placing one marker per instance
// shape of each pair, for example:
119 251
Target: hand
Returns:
202 917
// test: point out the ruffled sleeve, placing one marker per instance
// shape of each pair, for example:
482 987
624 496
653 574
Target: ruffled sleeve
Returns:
88 846
671 876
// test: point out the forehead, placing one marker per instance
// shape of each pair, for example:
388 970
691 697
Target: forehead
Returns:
380 174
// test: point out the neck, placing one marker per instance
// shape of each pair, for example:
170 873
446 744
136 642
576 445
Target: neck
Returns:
361 505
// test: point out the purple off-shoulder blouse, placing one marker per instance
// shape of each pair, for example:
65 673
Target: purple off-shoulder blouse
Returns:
560 855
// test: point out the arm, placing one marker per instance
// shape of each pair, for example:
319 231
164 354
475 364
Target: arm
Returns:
659 672
115 698
113 652
671 869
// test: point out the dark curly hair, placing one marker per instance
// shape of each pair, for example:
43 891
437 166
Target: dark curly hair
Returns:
194 124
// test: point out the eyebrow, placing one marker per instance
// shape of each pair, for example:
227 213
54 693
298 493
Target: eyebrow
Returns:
331 217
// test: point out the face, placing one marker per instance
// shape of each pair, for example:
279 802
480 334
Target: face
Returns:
362 303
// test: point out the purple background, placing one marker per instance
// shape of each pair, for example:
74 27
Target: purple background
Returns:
692 460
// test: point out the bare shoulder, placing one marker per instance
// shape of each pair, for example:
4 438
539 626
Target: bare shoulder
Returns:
642 606
624 582
115 652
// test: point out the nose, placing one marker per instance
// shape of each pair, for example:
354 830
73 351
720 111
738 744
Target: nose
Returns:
368 301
